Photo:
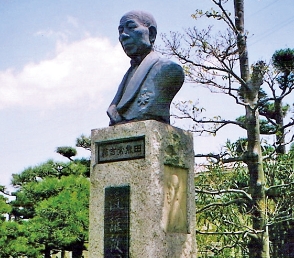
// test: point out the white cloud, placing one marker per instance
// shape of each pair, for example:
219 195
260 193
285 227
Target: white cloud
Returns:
88 70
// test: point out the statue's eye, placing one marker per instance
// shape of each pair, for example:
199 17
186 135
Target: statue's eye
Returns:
120 29
131 25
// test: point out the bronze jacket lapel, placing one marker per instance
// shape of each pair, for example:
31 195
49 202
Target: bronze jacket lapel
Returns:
120 89
137 79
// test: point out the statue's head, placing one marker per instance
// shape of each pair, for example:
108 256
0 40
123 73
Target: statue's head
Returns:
137 33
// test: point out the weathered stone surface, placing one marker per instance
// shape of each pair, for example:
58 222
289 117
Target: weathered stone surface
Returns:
162 207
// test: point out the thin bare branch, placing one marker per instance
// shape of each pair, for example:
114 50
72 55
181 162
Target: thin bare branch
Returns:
221 204
228 20
235 191
278 186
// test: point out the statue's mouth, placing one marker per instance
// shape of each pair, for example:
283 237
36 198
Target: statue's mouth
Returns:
127 44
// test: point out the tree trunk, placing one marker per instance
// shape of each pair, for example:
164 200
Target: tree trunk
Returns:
259 245
280 135
241 39
47 251
77 249
62 255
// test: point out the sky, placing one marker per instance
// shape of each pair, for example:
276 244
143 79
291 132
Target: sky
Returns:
61 63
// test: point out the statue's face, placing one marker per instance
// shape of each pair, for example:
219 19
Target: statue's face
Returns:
134 36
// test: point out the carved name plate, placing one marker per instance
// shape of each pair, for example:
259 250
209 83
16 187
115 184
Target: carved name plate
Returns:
117 222
121 149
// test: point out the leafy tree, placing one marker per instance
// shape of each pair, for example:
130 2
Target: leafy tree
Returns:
14 241
278 84
84 142
213 60
283 62
223 214
50 210
30 189
280 176
61 221
4 206
13 237
67 151
222 219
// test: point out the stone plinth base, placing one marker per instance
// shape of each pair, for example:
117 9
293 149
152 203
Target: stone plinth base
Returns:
142 199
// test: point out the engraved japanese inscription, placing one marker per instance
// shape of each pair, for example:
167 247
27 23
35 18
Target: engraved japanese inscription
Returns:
121 149
117 222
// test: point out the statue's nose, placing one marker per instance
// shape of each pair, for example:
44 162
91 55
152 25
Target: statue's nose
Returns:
123 36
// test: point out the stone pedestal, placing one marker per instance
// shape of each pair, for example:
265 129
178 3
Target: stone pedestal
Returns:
142 192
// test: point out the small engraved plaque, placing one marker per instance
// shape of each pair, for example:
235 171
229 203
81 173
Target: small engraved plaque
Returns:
121 149
117 222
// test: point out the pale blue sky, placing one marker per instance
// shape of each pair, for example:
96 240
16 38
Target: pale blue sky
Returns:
61 64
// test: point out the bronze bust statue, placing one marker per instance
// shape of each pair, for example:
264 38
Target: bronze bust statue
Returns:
150 84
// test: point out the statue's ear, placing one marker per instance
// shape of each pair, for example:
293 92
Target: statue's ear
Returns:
152 34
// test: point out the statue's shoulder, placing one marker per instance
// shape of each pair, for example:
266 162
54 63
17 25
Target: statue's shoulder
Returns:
168 62
165 65
160 60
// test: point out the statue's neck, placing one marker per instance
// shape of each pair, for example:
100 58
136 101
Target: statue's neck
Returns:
136 60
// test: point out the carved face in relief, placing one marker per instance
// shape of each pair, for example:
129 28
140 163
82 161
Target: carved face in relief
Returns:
173 187
174 214
135 36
